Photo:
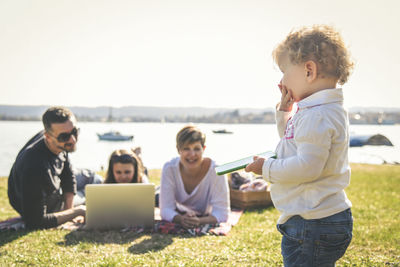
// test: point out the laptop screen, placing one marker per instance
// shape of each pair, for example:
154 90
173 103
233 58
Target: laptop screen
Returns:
116 206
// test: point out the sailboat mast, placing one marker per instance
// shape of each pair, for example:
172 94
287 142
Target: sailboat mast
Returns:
110 118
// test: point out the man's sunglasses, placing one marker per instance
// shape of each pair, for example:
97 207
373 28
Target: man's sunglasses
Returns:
64 137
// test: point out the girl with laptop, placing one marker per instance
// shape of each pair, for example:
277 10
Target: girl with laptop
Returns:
125 167
192 194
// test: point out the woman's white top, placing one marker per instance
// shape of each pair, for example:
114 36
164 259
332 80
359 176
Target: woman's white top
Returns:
209 197
311 170
145 179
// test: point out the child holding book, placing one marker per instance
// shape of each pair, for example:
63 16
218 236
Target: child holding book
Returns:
311 170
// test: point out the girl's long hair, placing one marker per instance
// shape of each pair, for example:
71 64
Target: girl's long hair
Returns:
124 156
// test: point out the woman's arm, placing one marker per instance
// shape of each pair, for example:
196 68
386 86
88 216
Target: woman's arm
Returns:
188 221
167 194
219 201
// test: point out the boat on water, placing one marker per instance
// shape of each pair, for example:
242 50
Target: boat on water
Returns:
372 140
222 131
114 136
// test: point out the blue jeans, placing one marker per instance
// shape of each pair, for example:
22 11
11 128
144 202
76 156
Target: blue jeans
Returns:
316 242
84 177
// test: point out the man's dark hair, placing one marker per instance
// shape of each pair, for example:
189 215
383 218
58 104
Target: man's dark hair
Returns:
56 115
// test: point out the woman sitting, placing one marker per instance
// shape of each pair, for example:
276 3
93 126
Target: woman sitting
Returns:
125 167
192 194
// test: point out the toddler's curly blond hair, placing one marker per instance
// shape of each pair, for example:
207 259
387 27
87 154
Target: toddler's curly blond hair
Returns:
320 43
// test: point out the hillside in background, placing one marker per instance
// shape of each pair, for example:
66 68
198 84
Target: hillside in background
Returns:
358 115
129 111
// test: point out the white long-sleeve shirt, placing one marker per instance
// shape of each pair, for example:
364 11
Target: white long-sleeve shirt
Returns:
210 196
311 170
145 179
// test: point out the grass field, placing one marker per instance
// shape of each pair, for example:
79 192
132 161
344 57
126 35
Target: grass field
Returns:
374 191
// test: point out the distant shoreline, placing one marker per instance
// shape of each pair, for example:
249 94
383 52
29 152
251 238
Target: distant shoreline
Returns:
193 120
372 116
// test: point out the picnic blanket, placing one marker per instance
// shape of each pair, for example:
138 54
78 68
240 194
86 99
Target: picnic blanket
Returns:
160 226
166 227
15 223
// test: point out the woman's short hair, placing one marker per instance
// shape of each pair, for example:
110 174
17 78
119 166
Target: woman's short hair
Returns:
189 135
320 43
124 156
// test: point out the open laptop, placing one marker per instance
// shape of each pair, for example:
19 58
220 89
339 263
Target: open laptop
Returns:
117 206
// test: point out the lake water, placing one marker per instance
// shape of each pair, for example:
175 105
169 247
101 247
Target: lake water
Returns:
158 142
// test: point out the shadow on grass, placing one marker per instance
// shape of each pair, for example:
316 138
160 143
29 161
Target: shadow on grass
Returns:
156 242
101 237
259 210
9 236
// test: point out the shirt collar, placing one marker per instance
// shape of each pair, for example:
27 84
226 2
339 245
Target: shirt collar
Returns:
325 96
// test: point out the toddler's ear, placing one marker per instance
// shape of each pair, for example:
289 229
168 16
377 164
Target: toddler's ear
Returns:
311 70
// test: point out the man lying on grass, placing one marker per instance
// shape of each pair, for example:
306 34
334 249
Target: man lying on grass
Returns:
41 185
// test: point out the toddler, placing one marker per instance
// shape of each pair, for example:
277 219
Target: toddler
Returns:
311 171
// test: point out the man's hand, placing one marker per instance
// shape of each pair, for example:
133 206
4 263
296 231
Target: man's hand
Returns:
80 210
256 165
79 219
70 214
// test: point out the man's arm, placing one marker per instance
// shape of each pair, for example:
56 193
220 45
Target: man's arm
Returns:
34 211
68 179
34 208
69 198
68 184
69 214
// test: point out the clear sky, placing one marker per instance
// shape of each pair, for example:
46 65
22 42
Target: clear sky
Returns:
209 53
